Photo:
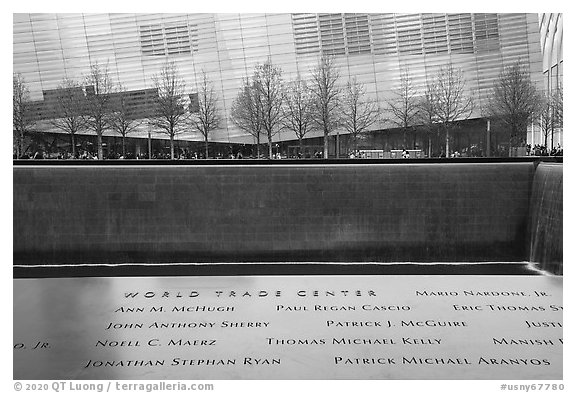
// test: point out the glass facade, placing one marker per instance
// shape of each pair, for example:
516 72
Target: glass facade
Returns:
373 48
552 34
551 39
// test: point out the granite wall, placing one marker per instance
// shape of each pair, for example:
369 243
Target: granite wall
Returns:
322 212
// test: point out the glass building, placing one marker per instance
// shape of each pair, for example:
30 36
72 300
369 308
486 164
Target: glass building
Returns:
374 48
552 37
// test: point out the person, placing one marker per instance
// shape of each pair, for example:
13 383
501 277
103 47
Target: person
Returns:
405 154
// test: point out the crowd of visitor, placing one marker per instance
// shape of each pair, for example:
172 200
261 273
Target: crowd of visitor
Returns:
536 150
539 150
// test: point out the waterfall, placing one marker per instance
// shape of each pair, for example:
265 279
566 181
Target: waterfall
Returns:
546 218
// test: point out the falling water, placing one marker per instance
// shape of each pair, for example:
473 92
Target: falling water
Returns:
546 218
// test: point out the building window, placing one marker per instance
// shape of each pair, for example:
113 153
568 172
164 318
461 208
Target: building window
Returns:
138 104
332 34
460 33
141 103
554 78
168 39
152 40
305 28
409 32
389 34
383 34
434 33
357 33
486 31
177 39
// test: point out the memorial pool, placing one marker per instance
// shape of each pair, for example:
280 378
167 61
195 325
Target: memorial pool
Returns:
118 268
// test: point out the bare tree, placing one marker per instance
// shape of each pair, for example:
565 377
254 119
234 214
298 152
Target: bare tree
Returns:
426 115
358 112
206 117
404 106
546 118
452 103
298 111
327 95
69 107
171 115
21 120
549 115
98 87
246 114
559 105
122 118
269 89
513 103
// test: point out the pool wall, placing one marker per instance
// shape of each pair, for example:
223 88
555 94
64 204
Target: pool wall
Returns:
342 212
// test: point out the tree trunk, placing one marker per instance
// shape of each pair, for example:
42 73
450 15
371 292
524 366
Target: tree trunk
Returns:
73 143
258 145
429 146
269 147
447 143
404 138
301 149
149 146
19 144
124 146
325 144
206 145
100 151
387 142
171 146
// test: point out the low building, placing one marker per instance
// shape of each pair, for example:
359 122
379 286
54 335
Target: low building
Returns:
376 49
